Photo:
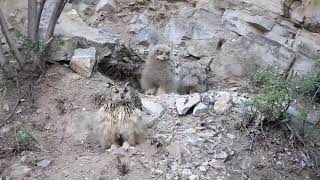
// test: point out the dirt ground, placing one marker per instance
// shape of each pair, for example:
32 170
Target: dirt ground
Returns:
176 147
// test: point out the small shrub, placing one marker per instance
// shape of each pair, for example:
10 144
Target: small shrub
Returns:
28 44
24 138
274 97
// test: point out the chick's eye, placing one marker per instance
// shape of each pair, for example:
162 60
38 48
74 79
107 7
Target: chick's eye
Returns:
125 90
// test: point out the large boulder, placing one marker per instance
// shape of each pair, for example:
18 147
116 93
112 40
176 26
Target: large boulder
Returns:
71 25
308 44
236 58
260 22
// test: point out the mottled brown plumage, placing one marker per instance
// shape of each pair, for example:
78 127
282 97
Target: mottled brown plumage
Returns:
119 120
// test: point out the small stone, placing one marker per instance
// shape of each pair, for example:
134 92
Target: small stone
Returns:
202 169
153 111
44 163
216 164
194 177
184 104
200 109
207 99
190 131
19 111
186 173
223 155
231 136
223 102
158 171
234 89
83 61
106 6
6 107
169 176
38 111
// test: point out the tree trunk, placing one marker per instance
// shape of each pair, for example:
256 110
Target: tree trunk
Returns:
42 2
32 19
54 17
10 41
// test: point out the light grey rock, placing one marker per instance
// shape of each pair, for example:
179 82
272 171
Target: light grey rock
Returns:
84 10
222 155
175 30
146 37
237 25
83 61
217 164
44 163
312 20
312 117
138 23
303 65
202 168
152 111
72 26
186 173
223 102
238 57
184 104
267 7
204 25
282 34
194 177
201 48
200 109
107 6
308 44
260 22
19 171
207 98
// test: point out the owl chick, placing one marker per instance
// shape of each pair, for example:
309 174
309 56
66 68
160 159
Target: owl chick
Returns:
119 120
158 75
192 79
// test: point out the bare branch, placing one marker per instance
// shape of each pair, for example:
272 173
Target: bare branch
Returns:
32 18
42 2
54 17
10 41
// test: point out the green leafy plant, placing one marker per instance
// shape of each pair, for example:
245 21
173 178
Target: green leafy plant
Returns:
274 97
39 44
24 138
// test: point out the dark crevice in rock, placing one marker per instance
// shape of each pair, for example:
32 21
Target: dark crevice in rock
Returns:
122 65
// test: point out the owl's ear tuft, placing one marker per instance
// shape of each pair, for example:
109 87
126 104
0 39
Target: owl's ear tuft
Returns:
110 84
